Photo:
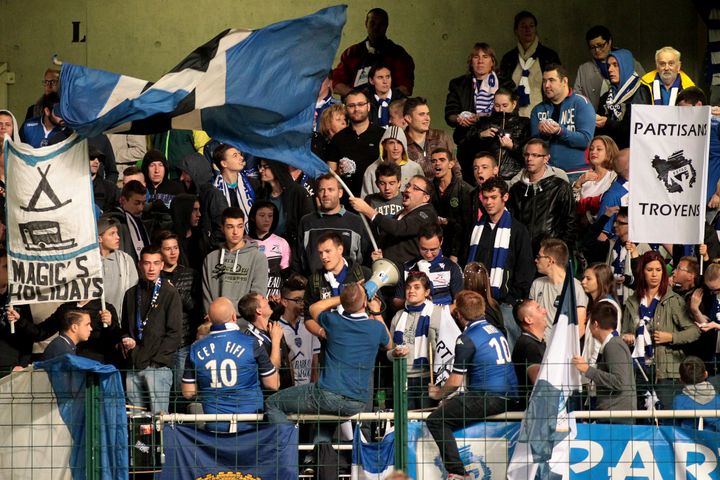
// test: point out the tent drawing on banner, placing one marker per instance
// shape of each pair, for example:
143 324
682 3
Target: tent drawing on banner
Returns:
44 187
44 234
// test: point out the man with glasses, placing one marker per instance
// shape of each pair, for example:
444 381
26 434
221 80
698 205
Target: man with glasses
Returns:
353 149
399 233
551 262
667 80
541 198
565 120
592 79
50 83
304 346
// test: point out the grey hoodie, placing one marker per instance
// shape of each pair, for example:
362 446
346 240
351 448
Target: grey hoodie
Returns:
407 170
703 392
242 271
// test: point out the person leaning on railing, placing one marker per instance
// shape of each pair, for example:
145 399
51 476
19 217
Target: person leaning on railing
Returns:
613 372
656 324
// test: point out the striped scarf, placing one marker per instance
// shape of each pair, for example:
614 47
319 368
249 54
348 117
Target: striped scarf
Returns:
422 328
523 89
500 249
618 96
485 94
657 88
337 281
643 349
383 110
245 195
617 262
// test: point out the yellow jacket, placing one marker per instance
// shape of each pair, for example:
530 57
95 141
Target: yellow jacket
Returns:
648 79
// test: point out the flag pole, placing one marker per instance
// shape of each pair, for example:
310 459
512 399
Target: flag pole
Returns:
430 361
364 220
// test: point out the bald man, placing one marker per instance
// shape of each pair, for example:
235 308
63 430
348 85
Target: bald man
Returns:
226 367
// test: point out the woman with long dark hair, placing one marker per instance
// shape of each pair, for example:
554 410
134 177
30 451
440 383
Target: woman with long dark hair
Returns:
656 324
289 197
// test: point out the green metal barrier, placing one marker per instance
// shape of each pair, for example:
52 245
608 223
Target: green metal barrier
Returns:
401 413
93 468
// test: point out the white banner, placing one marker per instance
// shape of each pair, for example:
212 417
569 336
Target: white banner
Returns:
53 254
668 173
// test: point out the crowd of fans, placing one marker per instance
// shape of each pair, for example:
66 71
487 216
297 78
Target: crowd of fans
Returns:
225 273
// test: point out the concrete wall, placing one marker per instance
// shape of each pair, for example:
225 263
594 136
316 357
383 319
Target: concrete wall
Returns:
144 38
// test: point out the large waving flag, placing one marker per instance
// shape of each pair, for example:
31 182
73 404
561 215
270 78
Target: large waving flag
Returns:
43 422
255 90
543 448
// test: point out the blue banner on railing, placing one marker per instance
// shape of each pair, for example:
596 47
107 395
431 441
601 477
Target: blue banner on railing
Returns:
596 451
270 452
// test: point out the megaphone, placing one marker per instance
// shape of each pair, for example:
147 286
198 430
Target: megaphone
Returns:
384 273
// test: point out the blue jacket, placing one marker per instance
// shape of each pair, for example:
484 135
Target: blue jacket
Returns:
33 133
577 123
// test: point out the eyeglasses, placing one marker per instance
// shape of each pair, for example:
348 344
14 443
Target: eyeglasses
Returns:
412 186
299 300
618 222
599 46
534 155
50 83
356 105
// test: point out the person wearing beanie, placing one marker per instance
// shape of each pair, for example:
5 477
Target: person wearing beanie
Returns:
155 168
393 149
105 193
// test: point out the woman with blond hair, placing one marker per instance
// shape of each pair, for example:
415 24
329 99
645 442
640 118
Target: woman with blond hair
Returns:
590 186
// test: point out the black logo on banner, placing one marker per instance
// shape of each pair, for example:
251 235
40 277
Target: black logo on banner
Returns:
44 234
675 172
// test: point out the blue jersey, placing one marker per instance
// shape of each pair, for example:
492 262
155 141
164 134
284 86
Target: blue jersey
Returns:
226 366
482 353
352 345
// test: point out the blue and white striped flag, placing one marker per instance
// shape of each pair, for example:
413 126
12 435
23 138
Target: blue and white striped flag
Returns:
255 90
43 430
542 450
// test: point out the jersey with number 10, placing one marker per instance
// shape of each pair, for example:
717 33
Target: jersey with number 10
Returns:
482 353
227 365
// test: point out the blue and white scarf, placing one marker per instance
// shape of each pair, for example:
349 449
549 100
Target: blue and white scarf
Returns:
383 112
618 96
523 89
643 349
485 94
245 195
617 262
336 281
657 89
422 329
500 249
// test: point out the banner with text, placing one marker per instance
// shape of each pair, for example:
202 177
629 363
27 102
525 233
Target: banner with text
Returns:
668 173
53 253
596 451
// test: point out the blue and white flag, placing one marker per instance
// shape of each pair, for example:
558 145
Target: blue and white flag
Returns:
372 461
543 447
255 90
269 452
53 253
43 423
